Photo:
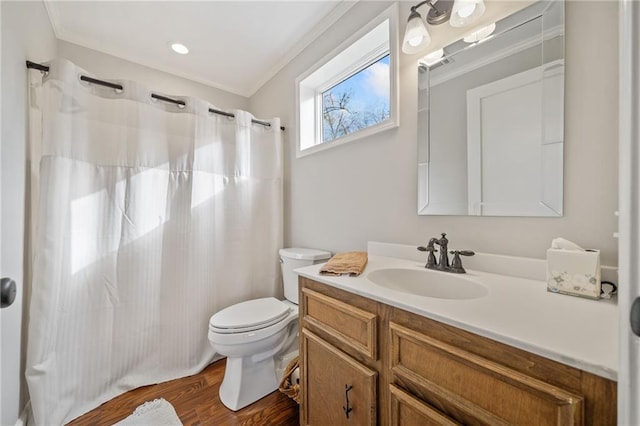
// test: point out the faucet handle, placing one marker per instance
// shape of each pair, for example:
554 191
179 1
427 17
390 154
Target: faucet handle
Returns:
431 259
456 263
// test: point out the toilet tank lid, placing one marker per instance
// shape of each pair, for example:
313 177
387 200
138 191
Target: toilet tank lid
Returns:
304 253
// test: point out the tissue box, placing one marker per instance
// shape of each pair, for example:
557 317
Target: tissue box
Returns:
574 272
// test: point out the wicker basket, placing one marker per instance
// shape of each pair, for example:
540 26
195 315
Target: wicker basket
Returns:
292 390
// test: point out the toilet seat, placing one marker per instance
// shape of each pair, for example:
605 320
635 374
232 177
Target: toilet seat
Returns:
248 316
259 334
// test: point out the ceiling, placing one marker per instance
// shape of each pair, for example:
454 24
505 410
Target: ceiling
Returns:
236 45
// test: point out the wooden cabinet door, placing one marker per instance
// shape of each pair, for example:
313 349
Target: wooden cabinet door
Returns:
474 390
336 389
407 410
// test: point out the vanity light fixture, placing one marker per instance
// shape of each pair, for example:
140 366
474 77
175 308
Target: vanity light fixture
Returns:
179 48
459 13
480 34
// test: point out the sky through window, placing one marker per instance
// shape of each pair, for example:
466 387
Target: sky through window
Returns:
358 102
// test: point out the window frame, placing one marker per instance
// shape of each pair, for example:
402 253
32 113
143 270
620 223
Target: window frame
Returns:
309 105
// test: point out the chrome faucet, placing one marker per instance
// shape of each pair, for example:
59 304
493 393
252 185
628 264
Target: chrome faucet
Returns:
443 262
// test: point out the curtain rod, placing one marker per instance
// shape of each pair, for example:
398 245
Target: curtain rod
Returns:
45 68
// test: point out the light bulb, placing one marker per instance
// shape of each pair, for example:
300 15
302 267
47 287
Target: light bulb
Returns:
416 41
465 12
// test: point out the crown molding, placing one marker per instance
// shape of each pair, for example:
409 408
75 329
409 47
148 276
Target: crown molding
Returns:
54 18
80 41
246 91
62 34
322 26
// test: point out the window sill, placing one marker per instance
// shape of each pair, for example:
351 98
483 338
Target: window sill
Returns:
364 133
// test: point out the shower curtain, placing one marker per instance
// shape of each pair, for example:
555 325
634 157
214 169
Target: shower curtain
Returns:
150 218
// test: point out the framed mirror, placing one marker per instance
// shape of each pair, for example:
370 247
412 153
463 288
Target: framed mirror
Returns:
491 119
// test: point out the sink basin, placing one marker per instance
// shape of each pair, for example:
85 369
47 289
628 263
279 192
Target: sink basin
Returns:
425 282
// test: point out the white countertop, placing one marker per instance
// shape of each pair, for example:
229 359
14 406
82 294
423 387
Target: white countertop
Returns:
520 312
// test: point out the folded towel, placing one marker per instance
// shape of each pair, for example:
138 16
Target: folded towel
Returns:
351 263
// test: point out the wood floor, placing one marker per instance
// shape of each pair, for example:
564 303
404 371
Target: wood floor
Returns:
196 402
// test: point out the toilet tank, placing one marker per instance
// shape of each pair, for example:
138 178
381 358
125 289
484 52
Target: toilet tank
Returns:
293 258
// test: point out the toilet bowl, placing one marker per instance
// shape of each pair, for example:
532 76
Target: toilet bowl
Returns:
251 347
260 336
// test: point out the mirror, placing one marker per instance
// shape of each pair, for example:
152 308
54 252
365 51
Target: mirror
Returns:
491 120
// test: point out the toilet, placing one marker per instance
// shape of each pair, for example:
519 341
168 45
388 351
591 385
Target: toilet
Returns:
260 336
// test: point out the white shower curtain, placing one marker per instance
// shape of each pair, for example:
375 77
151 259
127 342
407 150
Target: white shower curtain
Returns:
150 218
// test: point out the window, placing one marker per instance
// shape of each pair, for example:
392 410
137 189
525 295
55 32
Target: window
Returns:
351 93
358 102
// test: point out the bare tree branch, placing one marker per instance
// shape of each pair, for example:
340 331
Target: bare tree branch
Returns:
340 120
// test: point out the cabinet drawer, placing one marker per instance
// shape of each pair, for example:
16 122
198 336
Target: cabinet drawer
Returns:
348 325
407 410
474 390
337 389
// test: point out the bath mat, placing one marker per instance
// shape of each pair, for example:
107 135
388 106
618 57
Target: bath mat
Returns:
157 413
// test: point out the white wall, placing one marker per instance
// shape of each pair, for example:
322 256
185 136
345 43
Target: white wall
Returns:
107 66
26 34
340 198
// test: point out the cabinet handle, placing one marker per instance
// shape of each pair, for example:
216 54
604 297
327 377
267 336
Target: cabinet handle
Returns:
348 408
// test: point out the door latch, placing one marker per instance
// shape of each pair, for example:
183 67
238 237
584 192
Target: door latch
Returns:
635 317
8 291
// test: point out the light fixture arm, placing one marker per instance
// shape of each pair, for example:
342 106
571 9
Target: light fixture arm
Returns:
422 3
439 11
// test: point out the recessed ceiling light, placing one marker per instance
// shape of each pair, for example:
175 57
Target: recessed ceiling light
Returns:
179 48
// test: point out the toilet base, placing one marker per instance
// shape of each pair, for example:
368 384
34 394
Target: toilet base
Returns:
246 381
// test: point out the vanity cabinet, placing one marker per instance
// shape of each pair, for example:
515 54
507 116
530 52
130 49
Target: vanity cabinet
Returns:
423 372
339 358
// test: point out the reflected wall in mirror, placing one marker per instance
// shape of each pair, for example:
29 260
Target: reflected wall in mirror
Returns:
491 120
